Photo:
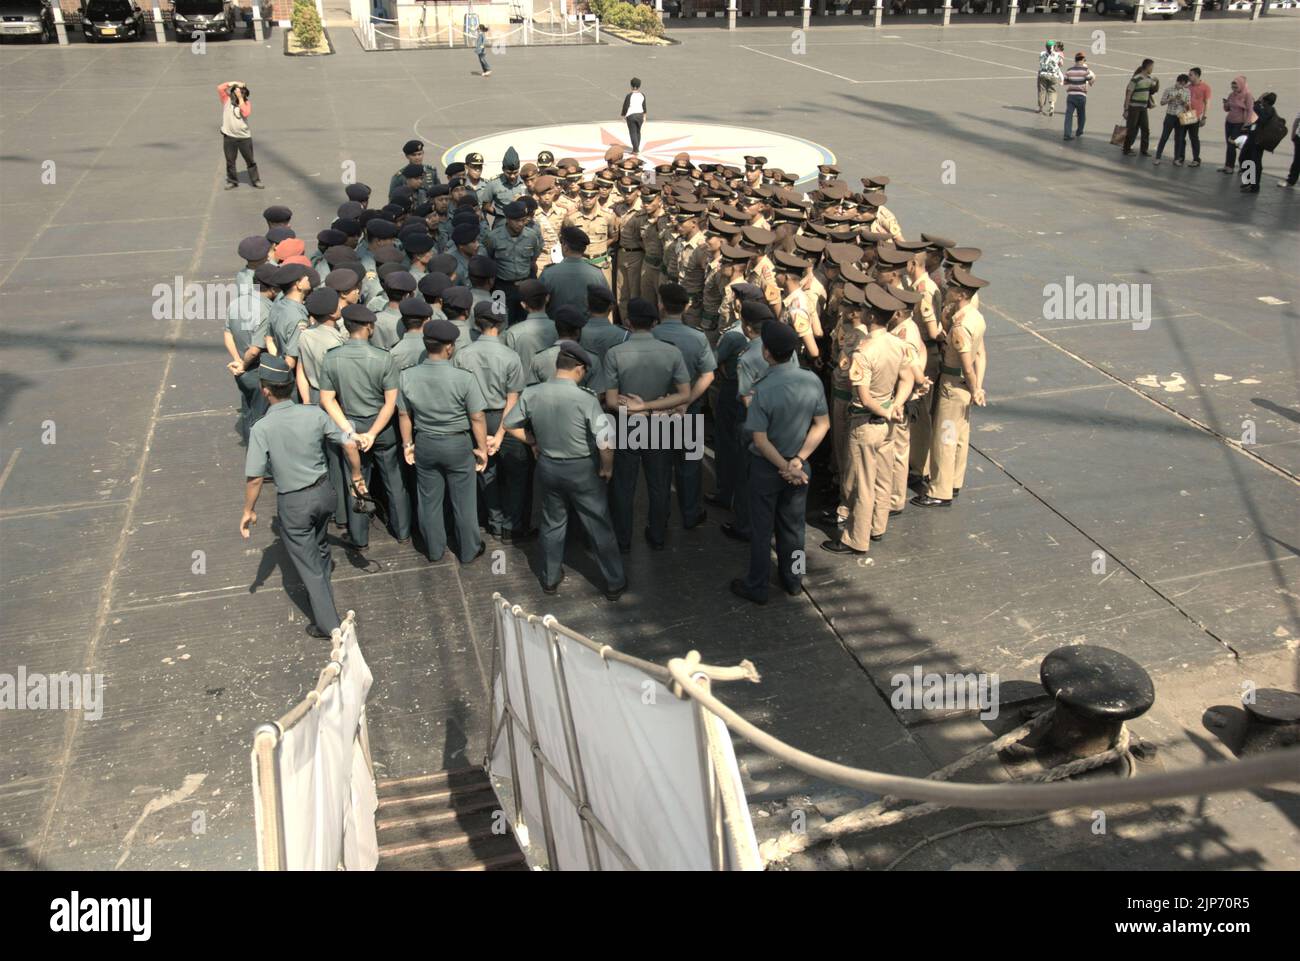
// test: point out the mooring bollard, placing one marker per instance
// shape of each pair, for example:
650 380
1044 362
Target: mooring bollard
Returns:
947 12
1095 690
1273 720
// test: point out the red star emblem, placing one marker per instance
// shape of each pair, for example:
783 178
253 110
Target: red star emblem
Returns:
657 152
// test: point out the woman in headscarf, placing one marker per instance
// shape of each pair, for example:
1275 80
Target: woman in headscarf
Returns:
1239 105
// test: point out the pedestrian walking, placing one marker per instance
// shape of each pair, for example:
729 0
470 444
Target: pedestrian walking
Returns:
1265 133
1049 76
236 136
1294 174
634 111
1078 81
480 48
1239 107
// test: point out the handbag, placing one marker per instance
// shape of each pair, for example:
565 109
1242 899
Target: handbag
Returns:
1118 134
1189 117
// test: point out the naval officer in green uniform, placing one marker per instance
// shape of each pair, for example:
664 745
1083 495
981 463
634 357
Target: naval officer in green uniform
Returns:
358 389
570 432
568 280
414 152
514 243
444 437
289 444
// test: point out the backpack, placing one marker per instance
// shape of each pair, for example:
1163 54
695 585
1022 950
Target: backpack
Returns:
1272 132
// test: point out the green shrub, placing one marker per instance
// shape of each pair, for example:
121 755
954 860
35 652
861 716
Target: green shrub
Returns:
617 13
306 24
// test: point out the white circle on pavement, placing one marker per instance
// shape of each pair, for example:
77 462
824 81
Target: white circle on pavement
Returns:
661 141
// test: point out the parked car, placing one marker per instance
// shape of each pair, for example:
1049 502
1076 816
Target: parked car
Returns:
1128 8
112 20
208 17
27 18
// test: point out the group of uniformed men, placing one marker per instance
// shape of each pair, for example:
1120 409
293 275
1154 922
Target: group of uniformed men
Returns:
475 340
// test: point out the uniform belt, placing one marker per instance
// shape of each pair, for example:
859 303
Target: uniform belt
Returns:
652 262
841 394
953 371
631 250
713 316
316 483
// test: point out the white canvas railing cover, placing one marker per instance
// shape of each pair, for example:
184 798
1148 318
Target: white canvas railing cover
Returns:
600 766
313 782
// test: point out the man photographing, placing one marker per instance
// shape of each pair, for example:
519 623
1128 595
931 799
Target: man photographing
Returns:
236 137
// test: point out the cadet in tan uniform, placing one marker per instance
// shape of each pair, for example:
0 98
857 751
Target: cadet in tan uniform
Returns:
796 307
961 383
846 337
881 382
549 217
600 226
761 272
905 329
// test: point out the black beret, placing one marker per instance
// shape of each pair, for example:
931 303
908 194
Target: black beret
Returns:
745 292
290 274
358 314
455 169
277 214
329 237
342 279
458 298
349 226
422 210
486 308
400 280
265 274
440 331
273 370
339 255
350 209
433 284
600 292
532 287
570 316
322 301
571 348
378 229
481 265
277 234
463 233
415 307
388 255
254 248
515 210
420 243
780 338
439 190
357 192
411 171
443 264
639 308
756 312
575 238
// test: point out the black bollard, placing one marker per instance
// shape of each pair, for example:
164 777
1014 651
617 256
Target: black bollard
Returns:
1273 720
1095 690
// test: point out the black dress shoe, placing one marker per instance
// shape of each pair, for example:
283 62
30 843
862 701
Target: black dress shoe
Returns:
518 537
839 547
740 590
877 537
955 492
792 591
554 588
730 531
896 513
915 480
478 553
716 501
259 185
614 593
404 540
314 631
704 516
925 500
654 544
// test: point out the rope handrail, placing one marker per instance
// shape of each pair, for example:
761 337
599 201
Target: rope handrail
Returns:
1276 766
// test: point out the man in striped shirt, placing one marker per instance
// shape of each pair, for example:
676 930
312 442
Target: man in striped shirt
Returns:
1077 81
1138 98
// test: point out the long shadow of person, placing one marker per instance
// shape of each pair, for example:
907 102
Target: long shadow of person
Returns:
274 555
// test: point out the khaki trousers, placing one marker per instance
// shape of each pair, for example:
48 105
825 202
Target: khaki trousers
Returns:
869 455
901 443
951 437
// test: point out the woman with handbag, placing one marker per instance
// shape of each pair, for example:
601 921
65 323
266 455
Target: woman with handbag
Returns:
1177 102
1260 136
1200 94
1239 106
